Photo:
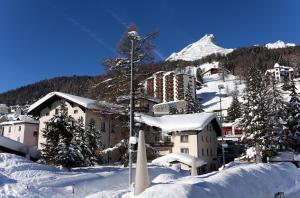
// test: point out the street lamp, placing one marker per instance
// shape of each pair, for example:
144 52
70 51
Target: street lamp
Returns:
138 41
221 86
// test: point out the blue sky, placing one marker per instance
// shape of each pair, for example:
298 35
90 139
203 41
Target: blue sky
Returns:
41 39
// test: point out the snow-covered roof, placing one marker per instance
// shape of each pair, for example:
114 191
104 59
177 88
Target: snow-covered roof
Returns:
17 119
84 102
178 122
286 156
178 157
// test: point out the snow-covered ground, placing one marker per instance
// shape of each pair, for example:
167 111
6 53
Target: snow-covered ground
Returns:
20 177
209 93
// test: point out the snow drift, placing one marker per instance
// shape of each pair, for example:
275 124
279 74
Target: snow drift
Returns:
242 180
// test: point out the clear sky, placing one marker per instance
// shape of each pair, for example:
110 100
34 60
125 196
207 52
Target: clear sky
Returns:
41 39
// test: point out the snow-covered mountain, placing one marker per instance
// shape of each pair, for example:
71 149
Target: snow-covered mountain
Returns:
279 44
204 47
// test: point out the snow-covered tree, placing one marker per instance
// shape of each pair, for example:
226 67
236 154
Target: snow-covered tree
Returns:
65 142
234 111
292 131
255 120
193 103
277 118
93 140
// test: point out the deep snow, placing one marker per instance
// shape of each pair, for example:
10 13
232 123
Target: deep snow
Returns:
20 177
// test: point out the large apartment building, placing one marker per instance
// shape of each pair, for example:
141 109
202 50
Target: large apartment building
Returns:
169 86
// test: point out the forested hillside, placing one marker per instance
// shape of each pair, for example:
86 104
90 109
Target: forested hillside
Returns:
111 85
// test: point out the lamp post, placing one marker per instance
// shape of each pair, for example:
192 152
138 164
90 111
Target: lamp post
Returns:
221 86
136 42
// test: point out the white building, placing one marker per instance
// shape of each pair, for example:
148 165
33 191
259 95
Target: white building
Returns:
281 72
194 134
24 130
101 112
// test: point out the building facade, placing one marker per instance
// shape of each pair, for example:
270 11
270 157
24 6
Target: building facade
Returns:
25 131
193 134
170 86
86 109
281 73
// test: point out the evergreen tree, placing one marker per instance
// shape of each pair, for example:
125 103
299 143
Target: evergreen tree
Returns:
292 132
255 121
234 111
277 118
94 142
199 75
193 104
64 140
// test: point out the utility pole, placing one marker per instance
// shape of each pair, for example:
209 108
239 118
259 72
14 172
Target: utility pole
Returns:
221 86
131 113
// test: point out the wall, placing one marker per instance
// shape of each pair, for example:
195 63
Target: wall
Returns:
25 135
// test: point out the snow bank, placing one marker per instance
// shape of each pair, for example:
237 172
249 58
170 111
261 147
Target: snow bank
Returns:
20 177
243 180
178 157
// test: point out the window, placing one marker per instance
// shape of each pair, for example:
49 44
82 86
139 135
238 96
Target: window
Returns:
157 139
184 138
20 128
203 152
211 152
75 111
184 150
207 152
210 139
35 133
206 139
102 127
202 138
113 130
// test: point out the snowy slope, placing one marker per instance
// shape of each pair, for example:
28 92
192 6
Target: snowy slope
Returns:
204 47
279 44
209 93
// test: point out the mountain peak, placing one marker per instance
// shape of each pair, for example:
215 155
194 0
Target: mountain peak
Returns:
201 48
279 44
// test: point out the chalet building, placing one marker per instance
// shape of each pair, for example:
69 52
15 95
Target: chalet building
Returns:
193 134
281 73
169 86
101 112
24 130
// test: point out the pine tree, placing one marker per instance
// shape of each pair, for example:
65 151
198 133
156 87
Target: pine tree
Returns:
193 104
277 118
93 140
255 121
292 132
234 111
64 140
